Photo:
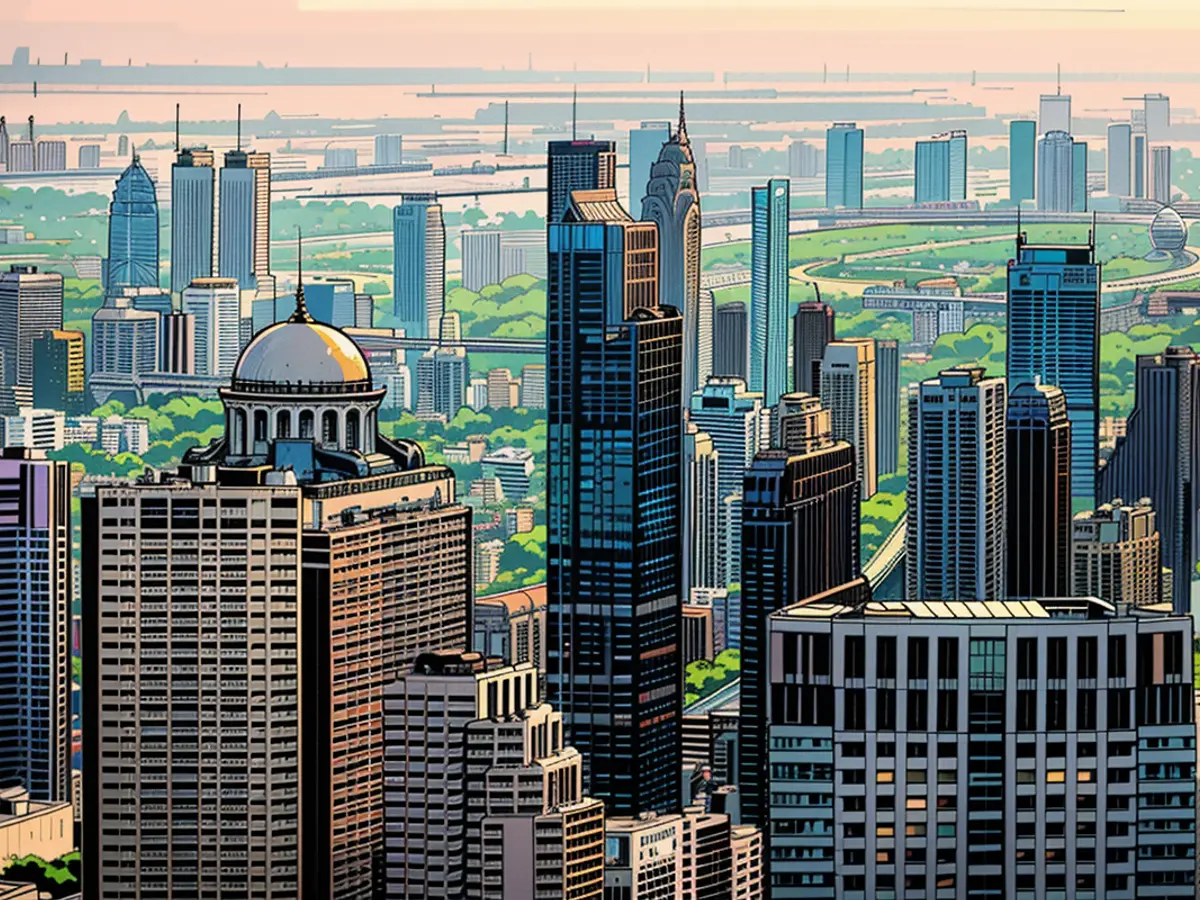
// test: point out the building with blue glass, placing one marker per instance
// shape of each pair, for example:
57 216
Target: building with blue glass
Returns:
614 368
1055 172
577 166
1079 168
1120 159
235 236
645 143
192 187
1054 339
418 264
132 232
768 325
1022 160
1141 165
941 168
844 166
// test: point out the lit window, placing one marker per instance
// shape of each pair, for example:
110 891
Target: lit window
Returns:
915 803
917 829
1085 775
884 776
885 831
1056 776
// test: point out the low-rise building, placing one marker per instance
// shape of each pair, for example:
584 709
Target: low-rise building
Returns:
513 466
487 561
34 827
512 626
518 520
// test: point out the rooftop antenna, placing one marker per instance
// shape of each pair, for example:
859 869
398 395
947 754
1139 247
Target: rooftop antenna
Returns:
301 314
574 110
681 135
817 291
239 127
1058 90
506 128
1092 232
1019 237
176 127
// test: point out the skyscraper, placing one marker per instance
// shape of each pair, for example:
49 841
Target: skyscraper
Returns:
887 407
1120 162
844 166
35 623
730 341
673 204
1055 172
132 232
59 371
1054 338
1160 174
701 511
1079 170
800 424
847 390
389 150
614 371
1054 113
941 168
645 144
1117 555
1141 165
419 264
244 236
214 305
31 303
802 160
812 329
577 166
1022 160
956 488
1159 458
125 340
768 319
1156 109
480 257
192 184
1038 498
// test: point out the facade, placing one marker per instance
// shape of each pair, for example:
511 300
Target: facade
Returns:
30 827
31 303
1116 555
51 156
767 326
645 143
1026 749
35 610
1054 338
533 386
193 181
512 627
813 327
577 166
614 503
802 160
214 305
513 466
800 424
332 301
956 488
1022 160
1120 160
59 371
341 158
1055 172
36 429
1038 493
480 258
389 150
847 389
887 407
178 343
1156 109
1079 172
419 264
941 168
125 340
701 511
1160 174
89 156
503 392
244 234
844 166
730 341
441 383
1141 164
1054 113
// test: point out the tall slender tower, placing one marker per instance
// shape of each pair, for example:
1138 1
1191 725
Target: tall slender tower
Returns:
132 232
614 369
812 329
768 324
419 264
192 205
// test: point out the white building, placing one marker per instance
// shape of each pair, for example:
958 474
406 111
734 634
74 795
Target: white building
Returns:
119 434
533 386
38 429
216 305
513 466
848 392
487 560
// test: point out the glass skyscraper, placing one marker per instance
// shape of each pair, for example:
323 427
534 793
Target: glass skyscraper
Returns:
132 232
577 166
1055 175
614 368
418 264
1120 160
192 179
768 324
645 143
236 234
844 166
1079 189
1022 156
1054 339
931 171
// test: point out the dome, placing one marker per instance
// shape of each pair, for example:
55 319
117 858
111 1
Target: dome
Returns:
305 352
1168 233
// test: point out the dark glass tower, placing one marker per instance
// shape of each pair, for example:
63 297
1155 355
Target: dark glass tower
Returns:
812 330
614 370
729 340
577 166
1038 508
887 407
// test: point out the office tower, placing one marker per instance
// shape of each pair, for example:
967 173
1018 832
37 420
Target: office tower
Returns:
1022 160
1120 163
149 299
364 310
533 386
800 424
847 390
177 343
31 303
956 487
941 168
332 301
706 309
1160 175
419 264
645 144
59 371
1054 113
503 392
89 156
1141 165
844 166
300 505
701 511
1017 726
389 150
480 258
214 303
125 341
1159 457
767 327
244 238
1079 187
452 828
1055 172
800 538
192 183
730 341
1038 493
35 610
132 232
813 328
1054 338
442 376
513 466
700 154
51 156
577 166
613 489
37 429
1156 109
1116 555
802 160
887 407
673 204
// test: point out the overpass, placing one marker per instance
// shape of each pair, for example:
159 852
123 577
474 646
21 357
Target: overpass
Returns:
387 339
909 215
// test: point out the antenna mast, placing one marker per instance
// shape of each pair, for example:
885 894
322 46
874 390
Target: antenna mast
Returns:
176 127
239 127
574 111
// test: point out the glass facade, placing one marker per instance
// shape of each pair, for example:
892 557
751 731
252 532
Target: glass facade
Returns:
1022 155
769 290
844 166
132 232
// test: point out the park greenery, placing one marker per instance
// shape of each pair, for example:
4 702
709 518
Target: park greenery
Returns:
705 677
54 879
516 308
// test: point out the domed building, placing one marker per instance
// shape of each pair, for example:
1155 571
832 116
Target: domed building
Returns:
1168 234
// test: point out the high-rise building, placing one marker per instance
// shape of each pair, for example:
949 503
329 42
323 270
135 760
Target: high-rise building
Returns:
844 166
1055 172
1022 160
419 264
442 376
301 504
503 392
941 168
214 305
480 257
533 386
1159 458
614 503
51 156
35 624
812 329
31 303
802 160
887 407
769 277
125 340
800 538
1079 171
847 389
1141 165
244 237
1016 726
132 232
1160 174
701 511
1156 109
192 183
177 343
673 204
89 156
730 343
956 487
59 371
1120 161
1054 113
389 150
1038 498
463 831
1054 338
330 300
1116 555
800 424
645 144
577 166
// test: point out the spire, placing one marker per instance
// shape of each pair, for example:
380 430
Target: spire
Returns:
681 134
301 315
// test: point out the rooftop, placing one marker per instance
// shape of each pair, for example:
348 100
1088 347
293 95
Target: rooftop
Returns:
1045 608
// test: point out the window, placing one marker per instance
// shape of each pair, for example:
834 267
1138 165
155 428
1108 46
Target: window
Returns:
329 427
885 776
1118 708
306 424
1056 657
1027 660
885 710
947 711
1027 712
885 748
855 664
856 709
918 711
1085 710
947 658
1087 653
885 657
1117 663
283 424
986 664
1056 710
918 658
352 430
915 803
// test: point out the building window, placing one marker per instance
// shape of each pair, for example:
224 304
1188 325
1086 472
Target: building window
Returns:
260 425
1056 657
986 664
947 711
947 658
885 657
306 425
855 665
1056 710
1027 712
918 658
352 430
1085 710
329 427
918 711
856 709
1027 661
1116 656
1087 654
885 709
283 424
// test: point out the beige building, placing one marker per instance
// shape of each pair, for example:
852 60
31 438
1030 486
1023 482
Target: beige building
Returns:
502 390
847 390
33 827
747 845
1116 555
800 424
512 626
